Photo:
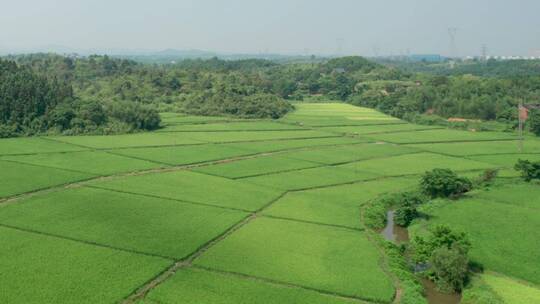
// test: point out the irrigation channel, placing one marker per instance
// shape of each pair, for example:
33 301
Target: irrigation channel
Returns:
398 235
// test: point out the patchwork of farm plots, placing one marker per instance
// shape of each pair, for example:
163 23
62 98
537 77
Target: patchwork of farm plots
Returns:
220 210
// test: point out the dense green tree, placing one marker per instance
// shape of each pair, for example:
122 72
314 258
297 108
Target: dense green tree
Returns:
444 183
407 203
440 236
450 268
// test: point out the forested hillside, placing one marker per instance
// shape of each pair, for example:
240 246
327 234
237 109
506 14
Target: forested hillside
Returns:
104 94
35 102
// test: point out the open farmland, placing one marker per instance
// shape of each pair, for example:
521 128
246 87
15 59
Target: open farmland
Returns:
216 210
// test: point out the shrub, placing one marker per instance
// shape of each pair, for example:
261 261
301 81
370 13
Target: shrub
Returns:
440 236
405 215
450 268
444 183
407 203
529 170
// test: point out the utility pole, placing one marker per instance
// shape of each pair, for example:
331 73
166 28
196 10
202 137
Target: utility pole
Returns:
521 118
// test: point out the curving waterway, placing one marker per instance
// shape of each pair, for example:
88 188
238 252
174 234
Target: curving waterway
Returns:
398 234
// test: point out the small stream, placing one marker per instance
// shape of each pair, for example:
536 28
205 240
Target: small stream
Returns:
398 234
393 232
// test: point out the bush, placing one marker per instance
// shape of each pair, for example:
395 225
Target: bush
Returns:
529 170
375 214
405 215
440 236
407 203
8 131
444 183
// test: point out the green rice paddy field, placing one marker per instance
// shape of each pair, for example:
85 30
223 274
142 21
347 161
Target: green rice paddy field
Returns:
214 210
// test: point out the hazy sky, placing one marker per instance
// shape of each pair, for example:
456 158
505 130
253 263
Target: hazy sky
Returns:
277 26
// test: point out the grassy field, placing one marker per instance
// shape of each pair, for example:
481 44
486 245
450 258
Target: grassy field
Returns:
92 162
34 145
257 166
380 128
505 160
231 126
338 205
311 178
195 187
512 291
129 140
183 155
264 211
325 258
195 286
240 136
480 148
18 178
43 269
152 226
343 154
416 163
333 114
443 135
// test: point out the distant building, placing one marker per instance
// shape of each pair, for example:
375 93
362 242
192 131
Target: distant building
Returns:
426 58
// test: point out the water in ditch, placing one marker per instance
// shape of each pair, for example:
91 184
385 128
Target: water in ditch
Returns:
398 234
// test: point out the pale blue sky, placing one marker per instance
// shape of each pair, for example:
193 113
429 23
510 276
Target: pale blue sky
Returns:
278 26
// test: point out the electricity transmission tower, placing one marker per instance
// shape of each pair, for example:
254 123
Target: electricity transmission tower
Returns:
484 52
340 42
376 51
452 32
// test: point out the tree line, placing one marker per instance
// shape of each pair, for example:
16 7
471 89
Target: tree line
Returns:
250 88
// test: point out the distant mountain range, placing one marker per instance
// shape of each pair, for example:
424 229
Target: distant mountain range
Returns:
166 55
